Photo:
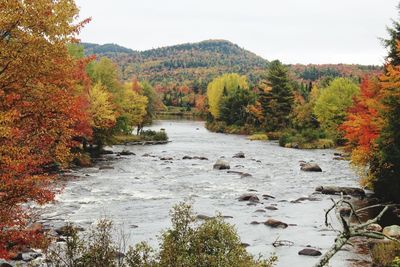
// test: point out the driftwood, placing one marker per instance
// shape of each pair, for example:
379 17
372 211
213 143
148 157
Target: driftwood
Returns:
349 229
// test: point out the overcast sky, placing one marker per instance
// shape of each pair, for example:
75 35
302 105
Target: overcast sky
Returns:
294 31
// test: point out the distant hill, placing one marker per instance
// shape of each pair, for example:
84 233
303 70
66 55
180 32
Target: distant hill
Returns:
180 63
202 61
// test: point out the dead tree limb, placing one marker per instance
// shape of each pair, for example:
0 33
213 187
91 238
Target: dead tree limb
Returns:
350 229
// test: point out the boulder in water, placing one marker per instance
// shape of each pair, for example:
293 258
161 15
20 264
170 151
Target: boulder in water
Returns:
221 165
249 197
126 153
337 190
239 155
392 231
275 224
310 252
311 167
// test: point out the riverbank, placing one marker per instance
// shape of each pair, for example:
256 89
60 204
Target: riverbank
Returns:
288 138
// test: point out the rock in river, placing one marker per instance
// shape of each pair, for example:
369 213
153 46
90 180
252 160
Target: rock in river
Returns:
337 190
392 231
311 167
67 230
239 155
310 252
275 223
221 165
126 153
249 197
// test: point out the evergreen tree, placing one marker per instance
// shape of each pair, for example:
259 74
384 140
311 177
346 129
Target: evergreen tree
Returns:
393 57
276 97
233 108
385 167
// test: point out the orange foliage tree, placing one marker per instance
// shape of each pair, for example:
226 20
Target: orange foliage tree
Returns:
41 116
364 123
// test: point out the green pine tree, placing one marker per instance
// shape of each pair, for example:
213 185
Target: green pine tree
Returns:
276 97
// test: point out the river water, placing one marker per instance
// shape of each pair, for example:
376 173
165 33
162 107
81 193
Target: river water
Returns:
138 192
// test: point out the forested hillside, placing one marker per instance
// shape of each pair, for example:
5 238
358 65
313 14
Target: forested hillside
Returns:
201 62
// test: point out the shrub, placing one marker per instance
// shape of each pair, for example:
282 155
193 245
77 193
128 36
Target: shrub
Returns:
306 139
274 135
96 249
150 135
285 138
213 243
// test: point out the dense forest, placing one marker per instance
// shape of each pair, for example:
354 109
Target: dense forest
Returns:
181 73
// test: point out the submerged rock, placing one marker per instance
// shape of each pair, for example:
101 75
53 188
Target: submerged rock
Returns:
239 155
244 175
221 165
300 199
204 217
311 167
337 190
249 197
106 168
235 172
276 224
271 208
67 230
126 153
166 158
310 252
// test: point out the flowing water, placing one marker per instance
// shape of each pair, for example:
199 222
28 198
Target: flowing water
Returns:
138 192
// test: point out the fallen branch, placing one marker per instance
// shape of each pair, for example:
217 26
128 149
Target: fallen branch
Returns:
350 230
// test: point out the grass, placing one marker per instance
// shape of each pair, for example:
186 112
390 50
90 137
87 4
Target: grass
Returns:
258 137
316 144
125 138
386 254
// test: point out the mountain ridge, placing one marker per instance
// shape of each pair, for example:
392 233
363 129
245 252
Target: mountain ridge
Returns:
204 60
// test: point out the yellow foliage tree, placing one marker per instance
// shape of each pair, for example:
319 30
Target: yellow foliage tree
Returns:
223 85
102 111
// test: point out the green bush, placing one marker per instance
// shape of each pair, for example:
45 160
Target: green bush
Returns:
150 135
285 138
305 139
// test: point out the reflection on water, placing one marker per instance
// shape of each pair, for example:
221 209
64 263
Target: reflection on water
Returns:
140 191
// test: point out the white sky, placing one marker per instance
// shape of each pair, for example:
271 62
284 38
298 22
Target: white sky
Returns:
293 31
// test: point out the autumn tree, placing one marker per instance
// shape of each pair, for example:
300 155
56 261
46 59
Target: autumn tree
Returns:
223 85
303 116
40 115
276 97
332 104
363 125
385 166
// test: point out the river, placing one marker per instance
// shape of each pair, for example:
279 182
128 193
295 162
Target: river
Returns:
138 192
